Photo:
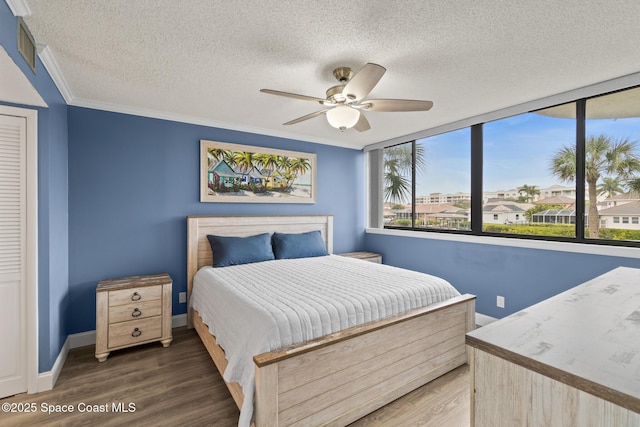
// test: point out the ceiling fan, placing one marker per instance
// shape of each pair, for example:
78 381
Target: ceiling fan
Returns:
346 101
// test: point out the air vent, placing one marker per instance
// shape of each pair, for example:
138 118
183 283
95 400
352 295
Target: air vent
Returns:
26 44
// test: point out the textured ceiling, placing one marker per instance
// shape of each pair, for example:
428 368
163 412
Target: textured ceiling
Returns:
204 61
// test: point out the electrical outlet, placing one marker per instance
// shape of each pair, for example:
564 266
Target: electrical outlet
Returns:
182 296
500 301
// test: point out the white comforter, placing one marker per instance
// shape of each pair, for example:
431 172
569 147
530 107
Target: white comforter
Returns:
259 307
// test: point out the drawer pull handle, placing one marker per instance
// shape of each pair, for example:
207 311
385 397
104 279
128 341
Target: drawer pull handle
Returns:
136 313
136 333
136 297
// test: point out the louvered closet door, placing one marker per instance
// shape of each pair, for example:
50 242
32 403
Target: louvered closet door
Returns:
13 378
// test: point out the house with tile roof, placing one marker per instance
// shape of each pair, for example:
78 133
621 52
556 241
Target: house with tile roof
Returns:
505 212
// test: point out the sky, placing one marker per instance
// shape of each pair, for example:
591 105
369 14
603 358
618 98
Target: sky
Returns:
517 151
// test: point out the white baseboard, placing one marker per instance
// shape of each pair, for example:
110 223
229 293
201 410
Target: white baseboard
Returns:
82 339
484 320
46 380
179 320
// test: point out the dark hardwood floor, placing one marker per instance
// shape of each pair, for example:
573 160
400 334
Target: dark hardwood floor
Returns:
179 385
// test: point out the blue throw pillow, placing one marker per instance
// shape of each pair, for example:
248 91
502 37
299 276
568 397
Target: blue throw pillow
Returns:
301 245
240 250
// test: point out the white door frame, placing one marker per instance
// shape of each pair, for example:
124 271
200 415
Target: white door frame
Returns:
31 263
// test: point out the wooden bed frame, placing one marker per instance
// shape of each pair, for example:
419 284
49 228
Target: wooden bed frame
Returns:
336 379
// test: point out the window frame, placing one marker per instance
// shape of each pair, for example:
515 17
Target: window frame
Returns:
476 147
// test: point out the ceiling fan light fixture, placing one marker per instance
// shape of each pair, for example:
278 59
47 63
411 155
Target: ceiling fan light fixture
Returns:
343 117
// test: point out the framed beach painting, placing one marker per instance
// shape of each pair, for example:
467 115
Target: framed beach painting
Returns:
242 173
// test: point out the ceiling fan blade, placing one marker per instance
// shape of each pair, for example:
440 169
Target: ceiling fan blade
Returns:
307 117
363 81
293 95
385 105
362 124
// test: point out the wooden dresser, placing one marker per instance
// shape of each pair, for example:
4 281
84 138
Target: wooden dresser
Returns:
571 360
132 310
366 256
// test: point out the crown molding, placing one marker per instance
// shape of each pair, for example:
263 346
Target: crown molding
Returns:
18 7
50 63
48 60
194 120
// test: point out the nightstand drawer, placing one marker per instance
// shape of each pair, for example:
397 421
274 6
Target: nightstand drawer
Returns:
135 311
126 296
135 331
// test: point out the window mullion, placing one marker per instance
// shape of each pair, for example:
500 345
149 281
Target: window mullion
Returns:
580 168
476 179
413 184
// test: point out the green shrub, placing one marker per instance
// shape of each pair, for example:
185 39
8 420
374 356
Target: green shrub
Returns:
618 234
560 230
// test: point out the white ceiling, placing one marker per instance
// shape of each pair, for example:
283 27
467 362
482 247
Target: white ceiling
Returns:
204 61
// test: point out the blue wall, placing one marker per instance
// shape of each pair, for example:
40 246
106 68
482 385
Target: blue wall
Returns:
523 276
133 181
53 231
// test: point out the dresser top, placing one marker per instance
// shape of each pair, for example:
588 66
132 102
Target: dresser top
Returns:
133 282
587 337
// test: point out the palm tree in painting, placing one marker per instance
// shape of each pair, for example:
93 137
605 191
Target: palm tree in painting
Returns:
604 157
216 155
289 177
300 166
610 186
530 192
284 163
398 161
244 160
266 162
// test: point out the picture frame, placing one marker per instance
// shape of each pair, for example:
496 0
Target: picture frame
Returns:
247 174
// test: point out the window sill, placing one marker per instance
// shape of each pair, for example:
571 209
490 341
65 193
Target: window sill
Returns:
617 251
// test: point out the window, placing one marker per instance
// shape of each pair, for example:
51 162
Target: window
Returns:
443 177
427 183
398 185
568 172
612 141
519 179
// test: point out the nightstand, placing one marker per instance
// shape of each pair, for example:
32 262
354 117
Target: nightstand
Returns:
366 256
131 311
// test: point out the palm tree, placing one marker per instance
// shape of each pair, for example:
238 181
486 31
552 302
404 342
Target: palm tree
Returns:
610 186
300 165
283 163
633 185
604 156
268 162
530 192
244 160
397 171
215 155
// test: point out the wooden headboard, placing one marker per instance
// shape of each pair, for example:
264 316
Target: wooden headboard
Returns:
198 227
